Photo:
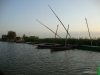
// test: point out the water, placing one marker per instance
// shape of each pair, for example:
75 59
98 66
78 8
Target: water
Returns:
25 59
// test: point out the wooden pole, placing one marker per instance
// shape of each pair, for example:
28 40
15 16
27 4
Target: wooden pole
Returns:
60 21
66 36
88 31
48 28
56 33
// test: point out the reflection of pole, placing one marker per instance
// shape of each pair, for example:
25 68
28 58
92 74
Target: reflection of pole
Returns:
88 31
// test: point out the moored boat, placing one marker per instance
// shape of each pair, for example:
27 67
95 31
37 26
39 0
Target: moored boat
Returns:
66 47
18 41
43 46
29 42
89 47
47 45
61 48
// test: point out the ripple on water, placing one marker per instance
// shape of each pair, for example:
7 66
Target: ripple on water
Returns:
24 59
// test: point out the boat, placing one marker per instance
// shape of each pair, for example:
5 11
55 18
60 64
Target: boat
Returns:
89 47
29 42
61 48
44 46
18 41
47 45
66 46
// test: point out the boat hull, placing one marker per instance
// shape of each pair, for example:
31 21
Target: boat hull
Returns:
47 46
89 47
44 46
60 48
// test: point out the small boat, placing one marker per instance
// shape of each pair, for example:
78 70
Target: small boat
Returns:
47 45
89 47
18 41
61 48
66 47
29 42
43 46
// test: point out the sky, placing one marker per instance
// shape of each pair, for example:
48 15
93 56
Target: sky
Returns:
20 16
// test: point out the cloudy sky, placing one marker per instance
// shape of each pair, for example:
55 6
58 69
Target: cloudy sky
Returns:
20 16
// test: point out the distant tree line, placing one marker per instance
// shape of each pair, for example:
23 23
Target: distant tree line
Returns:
32 39
77 41
12 37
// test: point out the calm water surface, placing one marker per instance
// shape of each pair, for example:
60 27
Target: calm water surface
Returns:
25 59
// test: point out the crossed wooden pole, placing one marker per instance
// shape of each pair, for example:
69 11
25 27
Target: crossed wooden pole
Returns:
50 29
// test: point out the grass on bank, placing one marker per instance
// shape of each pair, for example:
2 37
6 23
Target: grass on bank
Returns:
80 41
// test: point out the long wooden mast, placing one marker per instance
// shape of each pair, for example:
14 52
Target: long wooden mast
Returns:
48 28
66 36
55 34
88 31
60 21
56 31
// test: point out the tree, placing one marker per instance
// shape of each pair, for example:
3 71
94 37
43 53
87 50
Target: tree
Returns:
11 35
4 38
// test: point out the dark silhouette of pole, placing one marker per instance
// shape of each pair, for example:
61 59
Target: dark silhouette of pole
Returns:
88 31
60 21
55 34
66 36
56 31
49 28
29 34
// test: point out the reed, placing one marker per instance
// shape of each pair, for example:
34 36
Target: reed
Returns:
76 41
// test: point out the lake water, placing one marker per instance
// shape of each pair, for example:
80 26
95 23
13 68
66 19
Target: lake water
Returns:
25 59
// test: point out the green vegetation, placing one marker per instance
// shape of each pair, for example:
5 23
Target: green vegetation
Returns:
4 38
80 41
11 36
31 39
59 40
